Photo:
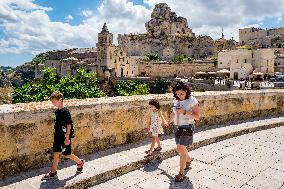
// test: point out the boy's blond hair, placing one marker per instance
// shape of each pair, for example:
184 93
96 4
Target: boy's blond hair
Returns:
56 95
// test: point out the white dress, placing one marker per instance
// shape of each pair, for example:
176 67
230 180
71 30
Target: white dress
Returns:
156 124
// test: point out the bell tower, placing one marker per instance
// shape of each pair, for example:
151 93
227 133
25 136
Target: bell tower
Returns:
105 49
105 37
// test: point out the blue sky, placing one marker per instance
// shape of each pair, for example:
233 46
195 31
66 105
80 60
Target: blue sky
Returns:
28 27
62 8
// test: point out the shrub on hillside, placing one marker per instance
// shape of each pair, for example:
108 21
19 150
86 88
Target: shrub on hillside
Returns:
153 56
159 86
182 58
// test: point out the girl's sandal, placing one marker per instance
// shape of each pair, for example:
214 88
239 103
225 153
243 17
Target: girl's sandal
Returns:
187 165
180 177
147 151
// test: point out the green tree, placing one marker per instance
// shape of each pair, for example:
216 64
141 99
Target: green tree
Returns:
81 85
130 87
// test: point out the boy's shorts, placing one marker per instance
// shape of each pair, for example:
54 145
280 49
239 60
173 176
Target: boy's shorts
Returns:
183 140
59 146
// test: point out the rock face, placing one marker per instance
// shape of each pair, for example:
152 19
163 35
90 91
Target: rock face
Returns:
169 36
166 22
4 80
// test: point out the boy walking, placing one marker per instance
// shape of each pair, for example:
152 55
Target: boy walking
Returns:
63 132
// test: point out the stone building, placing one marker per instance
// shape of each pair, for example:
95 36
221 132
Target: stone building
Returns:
107 60
243 63
279 62
262 38
169 35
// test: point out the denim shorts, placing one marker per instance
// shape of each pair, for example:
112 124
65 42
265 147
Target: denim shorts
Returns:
183 140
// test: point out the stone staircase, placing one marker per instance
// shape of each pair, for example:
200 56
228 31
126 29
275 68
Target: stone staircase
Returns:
105 165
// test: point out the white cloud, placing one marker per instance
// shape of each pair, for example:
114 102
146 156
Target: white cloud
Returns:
280 18
68 18
28 28
8 8
87 13
32 31
123 16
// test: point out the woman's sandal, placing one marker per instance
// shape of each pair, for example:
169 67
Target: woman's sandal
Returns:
148 155
158 149
180 177
187 165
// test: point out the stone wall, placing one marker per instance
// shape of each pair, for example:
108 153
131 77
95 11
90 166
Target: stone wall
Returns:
171 69
26 129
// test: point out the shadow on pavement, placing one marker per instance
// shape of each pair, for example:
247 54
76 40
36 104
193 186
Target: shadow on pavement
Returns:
178 185
55 183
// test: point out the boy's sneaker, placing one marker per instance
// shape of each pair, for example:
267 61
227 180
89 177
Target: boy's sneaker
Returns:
80 166
50 175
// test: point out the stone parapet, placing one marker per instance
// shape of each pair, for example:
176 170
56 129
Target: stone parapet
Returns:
26 129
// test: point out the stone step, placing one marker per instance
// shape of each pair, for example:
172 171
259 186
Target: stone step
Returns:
105 165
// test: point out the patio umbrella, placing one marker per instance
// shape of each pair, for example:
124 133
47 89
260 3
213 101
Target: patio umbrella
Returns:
257 73
211 73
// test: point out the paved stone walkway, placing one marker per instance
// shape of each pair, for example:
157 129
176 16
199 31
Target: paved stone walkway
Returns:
251 161
105 165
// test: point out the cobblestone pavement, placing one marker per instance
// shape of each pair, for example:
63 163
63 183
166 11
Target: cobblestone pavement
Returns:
251 161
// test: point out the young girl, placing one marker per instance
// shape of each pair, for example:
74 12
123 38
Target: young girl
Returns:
156 126
185 111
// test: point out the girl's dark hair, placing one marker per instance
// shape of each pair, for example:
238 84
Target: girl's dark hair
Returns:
155 103
181 86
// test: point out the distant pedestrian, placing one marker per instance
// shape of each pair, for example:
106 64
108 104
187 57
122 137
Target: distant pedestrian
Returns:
63 133
185 111
155 127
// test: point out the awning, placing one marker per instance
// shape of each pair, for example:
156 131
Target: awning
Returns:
200 73
223 71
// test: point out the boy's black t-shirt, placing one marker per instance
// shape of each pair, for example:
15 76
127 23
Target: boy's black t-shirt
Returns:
62 119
